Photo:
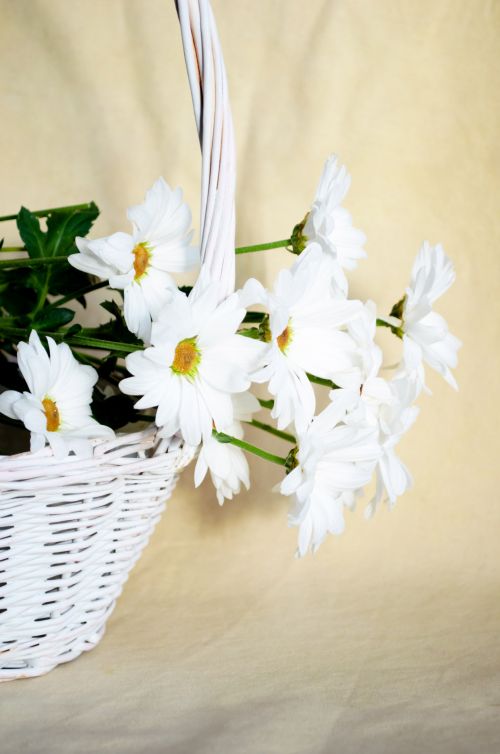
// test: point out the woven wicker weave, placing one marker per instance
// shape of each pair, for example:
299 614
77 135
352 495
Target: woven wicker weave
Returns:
71 530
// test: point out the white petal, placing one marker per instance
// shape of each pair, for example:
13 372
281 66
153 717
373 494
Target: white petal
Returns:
7 403
136 313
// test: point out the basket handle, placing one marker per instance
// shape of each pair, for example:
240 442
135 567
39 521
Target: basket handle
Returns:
209 92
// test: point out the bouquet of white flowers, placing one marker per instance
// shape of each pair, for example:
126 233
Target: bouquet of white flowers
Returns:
194 354
185 360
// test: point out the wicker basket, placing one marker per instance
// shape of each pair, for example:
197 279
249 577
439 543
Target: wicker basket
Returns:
71 530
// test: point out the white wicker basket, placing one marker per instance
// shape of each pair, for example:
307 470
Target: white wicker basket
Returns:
71 530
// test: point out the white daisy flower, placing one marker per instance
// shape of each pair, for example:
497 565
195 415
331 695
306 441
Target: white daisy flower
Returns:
227 464
56 407
369 390
426 336
139 263
385 405
305 319
381 404
395 419
334 461
195 364
330 225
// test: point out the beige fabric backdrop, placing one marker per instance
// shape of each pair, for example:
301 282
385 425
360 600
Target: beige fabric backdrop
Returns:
388 639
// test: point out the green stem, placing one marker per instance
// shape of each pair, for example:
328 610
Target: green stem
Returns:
398 331
321 381
266 403
45 212
28 262
13 248
76 340
77 294
262 246
222 437
42 294
272 430
105 345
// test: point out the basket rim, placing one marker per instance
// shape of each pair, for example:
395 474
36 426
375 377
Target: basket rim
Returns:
120 438
105 453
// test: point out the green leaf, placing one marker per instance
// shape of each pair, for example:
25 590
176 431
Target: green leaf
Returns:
23 292
73 330
107 367
53 319
115 329
31 233
63 226
17 291
65 279
113 308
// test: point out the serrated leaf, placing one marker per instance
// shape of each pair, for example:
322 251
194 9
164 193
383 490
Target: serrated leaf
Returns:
116 329
64 225
113 308
52 319
31 233
19 288
73 330
107 367
62 228
65 280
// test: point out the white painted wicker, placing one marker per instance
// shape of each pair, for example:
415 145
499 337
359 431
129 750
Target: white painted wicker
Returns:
209 91
71 530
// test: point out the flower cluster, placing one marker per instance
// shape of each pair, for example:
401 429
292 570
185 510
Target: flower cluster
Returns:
194 354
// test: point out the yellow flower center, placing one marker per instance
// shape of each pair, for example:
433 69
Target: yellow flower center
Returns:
51 414
186 358
285 338
141 260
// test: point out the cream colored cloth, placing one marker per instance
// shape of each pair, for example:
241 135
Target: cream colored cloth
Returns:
387 641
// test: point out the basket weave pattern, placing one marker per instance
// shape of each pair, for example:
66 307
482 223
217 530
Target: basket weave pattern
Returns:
70 531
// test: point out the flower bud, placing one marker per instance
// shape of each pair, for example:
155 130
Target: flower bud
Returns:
299 240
